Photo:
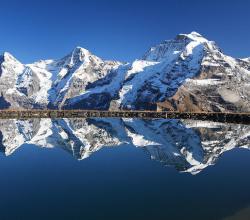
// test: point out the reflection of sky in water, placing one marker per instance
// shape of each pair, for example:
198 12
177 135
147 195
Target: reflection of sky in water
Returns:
116 179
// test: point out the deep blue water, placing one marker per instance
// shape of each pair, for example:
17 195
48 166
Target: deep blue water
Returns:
119 183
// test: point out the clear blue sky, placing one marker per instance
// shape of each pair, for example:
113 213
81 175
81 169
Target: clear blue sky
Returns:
121 30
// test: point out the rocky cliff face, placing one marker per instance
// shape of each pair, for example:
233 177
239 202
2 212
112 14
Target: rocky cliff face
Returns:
189 146
222 84
188 73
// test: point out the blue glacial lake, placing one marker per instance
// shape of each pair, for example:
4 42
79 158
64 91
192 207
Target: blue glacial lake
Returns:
108 168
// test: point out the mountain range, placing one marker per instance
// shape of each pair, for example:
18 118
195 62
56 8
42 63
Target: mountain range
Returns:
187 73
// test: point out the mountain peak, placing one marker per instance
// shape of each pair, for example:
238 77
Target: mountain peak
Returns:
78 54
194 36
8 57
194 33
81 50
169 49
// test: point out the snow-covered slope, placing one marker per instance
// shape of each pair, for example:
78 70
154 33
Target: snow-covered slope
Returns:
189 146
48 83
162 70
186 73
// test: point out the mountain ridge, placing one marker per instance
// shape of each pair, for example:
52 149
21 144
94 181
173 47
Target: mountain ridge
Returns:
188 73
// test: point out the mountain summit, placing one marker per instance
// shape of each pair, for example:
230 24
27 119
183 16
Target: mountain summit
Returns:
187 73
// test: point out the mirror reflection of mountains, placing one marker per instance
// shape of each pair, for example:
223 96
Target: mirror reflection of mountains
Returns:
187 145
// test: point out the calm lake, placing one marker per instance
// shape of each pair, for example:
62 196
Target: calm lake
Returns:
113 168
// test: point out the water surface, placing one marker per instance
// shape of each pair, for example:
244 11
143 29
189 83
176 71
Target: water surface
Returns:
107 168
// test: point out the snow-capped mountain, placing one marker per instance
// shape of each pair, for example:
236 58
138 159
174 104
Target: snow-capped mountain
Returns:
189 146
48 83
186 73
